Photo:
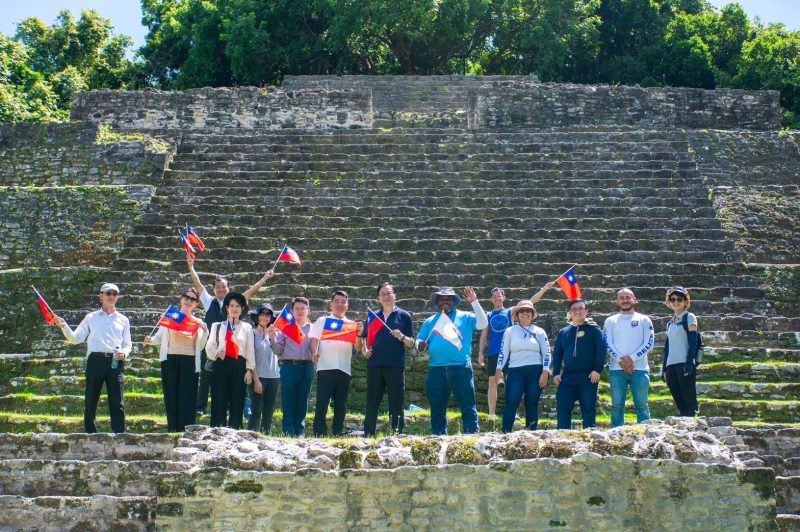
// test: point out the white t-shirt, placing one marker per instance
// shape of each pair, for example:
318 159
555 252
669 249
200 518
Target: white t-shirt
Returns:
629 335
333 354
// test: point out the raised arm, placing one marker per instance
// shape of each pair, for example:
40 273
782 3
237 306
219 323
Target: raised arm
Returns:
195 278
540 294
253 289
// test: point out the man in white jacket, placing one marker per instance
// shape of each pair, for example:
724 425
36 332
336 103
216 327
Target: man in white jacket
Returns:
629 338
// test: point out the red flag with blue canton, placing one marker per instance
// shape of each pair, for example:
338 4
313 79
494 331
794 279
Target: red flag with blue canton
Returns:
289 255
231 347
188 247
178 321
287 324
47 314
343 331
374 325
194 240
569 285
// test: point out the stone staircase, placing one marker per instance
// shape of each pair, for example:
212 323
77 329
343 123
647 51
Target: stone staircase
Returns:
428 207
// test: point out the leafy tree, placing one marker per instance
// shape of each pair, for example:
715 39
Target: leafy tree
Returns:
25 95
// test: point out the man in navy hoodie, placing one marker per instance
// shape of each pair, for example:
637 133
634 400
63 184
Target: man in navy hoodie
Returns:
578 360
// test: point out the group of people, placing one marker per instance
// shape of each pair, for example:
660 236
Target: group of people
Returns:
266 362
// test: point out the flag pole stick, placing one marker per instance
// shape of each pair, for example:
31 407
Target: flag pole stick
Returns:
434 327
159 321
279 259
568 269
377 318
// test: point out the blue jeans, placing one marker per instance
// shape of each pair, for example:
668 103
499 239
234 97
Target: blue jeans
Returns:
441 380
295 388
520 381
576 387
639 382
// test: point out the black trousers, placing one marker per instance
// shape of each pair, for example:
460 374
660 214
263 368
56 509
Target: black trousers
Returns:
381 379
683 389
98 371
331 384
179 383
205 383
263 405
227 392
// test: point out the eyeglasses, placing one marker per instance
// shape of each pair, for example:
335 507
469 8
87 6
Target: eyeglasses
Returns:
677 299
189 298
114 294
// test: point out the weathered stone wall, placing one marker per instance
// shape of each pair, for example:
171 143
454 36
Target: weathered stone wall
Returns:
413 100
67 226
587 492
559 105
225 108
77 154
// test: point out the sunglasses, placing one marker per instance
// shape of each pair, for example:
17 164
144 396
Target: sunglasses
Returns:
111 293
677 299
189 298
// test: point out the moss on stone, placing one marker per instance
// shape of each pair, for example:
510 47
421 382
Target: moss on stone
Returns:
619 445
463 452
350 460
523 447
373 459
426 452
244 486
556 449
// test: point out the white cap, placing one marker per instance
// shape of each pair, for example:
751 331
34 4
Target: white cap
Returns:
108 287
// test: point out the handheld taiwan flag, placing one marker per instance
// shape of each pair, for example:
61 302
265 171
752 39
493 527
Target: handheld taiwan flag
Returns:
178 321
194 240
287 324
289 255
569 285
446 329
231 347
47 313
374 324
188 247
336 329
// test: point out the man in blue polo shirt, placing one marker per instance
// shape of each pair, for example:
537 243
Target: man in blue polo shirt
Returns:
386 361
448 337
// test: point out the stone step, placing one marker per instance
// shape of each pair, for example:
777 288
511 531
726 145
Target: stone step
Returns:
775 441
531 167
98 513
432 154
782 466
233 204
788 522
679 147
589 177
537 272
75 385
401 279
427 135
660 406
159 246
78 478
189 193
90 447
787 495
446 260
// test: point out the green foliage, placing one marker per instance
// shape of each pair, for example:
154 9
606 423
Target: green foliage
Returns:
195 43
44 65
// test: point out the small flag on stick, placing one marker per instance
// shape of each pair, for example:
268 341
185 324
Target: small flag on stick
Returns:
188 247
194 239
47 313
569 285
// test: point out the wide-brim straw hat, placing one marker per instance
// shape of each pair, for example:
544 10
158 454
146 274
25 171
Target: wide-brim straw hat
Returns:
524 304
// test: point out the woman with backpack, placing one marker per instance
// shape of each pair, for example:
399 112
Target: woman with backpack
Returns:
679 369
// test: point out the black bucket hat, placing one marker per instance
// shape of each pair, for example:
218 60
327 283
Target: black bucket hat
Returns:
261 308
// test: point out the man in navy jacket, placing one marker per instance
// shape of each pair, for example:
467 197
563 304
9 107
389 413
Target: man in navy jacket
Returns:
578 360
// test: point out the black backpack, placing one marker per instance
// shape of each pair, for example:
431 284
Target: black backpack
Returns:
700 346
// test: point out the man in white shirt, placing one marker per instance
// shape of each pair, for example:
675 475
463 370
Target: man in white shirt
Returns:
332 358
107 334
629 338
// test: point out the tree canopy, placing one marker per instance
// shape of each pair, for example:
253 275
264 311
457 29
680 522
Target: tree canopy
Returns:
195 43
